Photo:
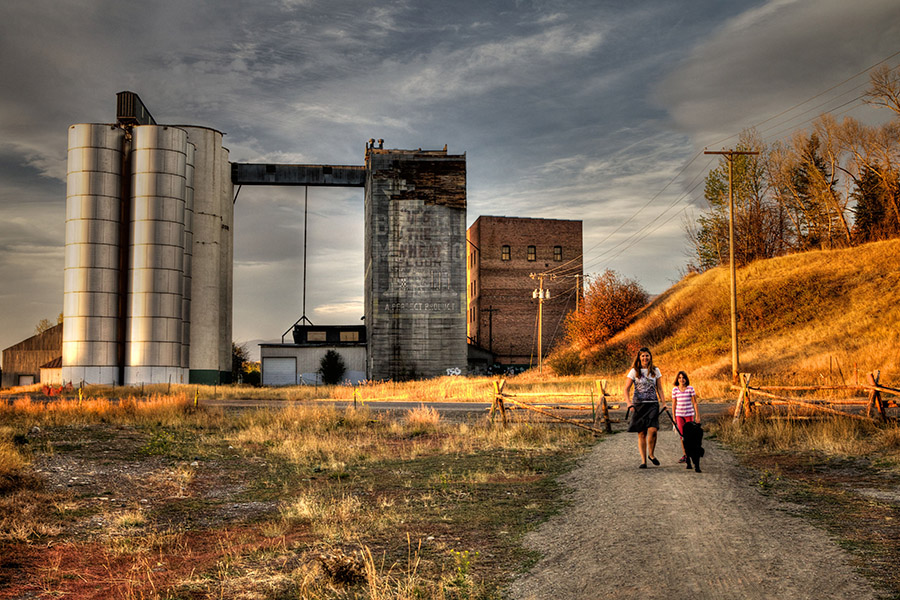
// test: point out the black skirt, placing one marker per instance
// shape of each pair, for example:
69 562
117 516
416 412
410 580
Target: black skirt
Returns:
645 416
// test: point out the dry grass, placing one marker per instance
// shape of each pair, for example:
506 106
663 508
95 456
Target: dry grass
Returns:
162 409
830 435
13 462
241 504
423 417
811 318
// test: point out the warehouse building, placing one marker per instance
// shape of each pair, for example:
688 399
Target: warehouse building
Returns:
23 362
512 261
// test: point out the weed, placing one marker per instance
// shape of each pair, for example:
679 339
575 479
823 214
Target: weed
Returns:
463 566
767 480
160 443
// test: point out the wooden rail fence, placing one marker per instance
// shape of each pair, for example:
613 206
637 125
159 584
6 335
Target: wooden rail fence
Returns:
599 405
876 405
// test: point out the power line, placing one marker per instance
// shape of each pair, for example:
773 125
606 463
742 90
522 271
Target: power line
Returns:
636 236
835 86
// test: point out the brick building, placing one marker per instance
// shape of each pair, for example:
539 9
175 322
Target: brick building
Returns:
503 253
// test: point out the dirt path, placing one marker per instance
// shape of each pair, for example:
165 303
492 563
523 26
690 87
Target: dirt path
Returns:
666 532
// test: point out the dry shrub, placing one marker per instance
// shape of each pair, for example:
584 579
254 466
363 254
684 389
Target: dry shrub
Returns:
328 516
423 417
566 363
609 304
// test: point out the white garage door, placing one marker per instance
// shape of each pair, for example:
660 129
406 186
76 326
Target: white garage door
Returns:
279 370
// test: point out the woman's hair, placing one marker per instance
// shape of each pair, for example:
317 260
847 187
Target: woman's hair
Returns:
636 365
687 380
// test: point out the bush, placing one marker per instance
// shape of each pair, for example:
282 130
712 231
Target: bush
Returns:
567 362
332 368
609 304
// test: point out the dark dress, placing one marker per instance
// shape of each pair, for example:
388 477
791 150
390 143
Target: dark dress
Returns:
646 403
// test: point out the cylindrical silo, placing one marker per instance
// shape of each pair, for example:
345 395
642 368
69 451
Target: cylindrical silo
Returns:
92 269
211 271
156 269
226 267
188 262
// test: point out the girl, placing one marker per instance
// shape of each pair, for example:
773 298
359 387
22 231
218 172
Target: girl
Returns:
646 380
684 399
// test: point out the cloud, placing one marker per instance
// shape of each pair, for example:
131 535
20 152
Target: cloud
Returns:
772 57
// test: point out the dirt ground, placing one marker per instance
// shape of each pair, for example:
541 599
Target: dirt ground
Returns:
666 532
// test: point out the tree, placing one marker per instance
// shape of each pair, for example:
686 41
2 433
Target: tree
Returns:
332 368
872 212
806 175
609 303
45 324
240 355
761 229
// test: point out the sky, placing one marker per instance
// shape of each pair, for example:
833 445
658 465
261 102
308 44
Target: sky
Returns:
593 110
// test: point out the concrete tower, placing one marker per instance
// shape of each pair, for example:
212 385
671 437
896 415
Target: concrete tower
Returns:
415 263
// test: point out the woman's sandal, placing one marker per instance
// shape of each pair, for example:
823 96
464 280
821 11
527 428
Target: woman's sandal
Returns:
643 466
654 460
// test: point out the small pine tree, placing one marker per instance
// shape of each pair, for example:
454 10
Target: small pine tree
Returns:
332 368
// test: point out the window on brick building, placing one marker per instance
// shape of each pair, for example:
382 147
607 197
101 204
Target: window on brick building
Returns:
557 253
504 253
532 253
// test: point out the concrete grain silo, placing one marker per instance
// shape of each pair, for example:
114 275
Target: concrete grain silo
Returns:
149 251
188 258
92 294
211 273
156 269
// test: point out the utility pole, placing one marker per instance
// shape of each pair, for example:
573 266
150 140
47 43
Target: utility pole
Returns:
540 294
490 311
729 155
577 292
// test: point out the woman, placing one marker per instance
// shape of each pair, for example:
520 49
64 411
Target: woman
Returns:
646 380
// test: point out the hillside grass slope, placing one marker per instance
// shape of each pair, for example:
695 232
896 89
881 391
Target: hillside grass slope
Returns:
803 318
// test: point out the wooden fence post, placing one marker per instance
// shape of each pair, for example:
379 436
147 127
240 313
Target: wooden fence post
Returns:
748 403
494 400
604 405
875 402
498 401
742 408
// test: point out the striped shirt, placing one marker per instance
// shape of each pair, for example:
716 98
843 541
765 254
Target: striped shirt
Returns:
682 400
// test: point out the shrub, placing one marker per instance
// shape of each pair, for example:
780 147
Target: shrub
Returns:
567 362
609 304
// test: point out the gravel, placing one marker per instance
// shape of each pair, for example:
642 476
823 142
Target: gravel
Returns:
666 532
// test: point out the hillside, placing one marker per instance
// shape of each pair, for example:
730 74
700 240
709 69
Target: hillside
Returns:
803 317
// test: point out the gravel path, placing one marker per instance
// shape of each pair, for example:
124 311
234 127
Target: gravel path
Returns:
666 532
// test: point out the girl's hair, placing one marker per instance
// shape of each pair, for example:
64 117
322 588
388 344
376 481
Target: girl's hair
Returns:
636 365
687 380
